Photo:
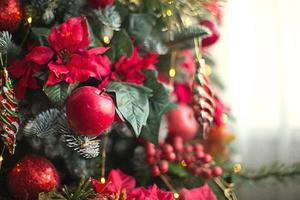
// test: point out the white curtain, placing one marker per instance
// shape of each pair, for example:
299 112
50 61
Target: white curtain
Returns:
258 59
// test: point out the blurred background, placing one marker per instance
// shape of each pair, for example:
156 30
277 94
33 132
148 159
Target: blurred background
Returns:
258 60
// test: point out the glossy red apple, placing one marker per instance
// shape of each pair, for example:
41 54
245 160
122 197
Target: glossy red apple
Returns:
90 112
182 122
215 34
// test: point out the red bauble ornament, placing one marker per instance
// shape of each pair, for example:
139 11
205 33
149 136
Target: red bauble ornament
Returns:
182 122
215 34
90 111
10 15
31 176
101 3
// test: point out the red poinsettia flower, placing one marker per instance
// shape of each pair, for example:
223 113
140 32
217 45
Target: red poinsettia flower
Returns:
117 184
130 69
183 92
75 63
201 193
151 193
24 70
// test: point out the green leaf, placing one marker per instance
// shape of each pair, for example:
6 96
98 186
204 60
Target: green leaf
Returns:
94 42
140 26
132 103
120 45
159 104
178 170
189 33
40 34
58 93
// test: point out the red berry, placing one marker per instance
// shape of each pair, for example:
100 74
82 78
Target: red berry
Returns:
197 170
150 160
199 154
217 171
167 148
163 166
151 152
155 171
149 145
198 147
171 156
188 159
207 158
188 148
207 173
179 157
159 154
178 143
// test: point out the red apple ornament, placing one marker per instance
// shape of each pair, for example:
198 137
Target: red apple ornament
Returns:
31 176
215 34
182 122
90 111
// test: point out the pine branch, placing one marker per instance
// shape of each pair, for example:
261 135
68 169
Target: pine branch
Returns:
5 42
277 171
110 17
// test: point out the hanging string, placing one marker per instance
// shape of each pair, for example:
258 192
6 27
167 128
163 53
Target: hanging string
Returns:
103 163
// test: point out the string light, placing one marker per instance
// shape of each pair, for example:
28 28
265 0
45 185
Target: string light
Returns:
106 39
224 118
176 195
102 180
169 12
207 70
29 20
237 168
172 72
183 163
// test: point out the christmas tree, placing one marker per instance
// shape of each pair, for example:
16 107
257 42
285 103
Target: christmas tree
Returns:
114 99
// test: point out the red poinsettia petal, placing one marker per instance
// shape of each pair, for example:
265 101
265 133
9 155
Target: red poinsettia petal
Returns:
201 193
17 69
183 92
120 181
152 193
100 65
97 50
19 91
57 73
39 55
149 60
98 186
71 35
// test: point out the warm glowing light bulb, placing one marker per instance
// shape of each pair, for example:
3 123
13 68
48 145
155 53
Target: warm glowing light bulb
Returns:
102 180
237 168
224 118
207 70
29 20
176 195
172 72
1 159
183 163
169 12
106 39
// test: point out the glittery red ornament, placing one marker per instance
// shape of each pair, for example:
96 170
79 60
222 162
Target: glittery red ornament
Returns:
89 111
10 15
31 176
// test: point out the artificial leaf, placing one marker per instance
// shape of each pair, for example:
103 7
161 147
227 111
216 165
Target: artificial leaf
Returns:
141 25
187 33
178 170
110 17
40 34
132 102
159 104
94 42
120 45
58 93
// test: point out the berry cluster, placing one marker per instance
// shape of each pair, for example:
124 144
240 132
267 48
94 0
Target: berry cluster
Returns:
190 156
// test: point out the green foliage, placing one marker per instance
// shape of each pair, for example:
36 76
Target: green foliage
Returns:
120 45
159 104
5 42
140 25
275 172
58 93
187 33
110 17
40 34
83 191
178 170
132 102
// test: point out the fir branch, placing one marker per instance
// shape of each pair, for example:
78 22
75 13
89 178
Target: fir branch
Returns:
88 147
110 17
277 171
44 124
5 42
